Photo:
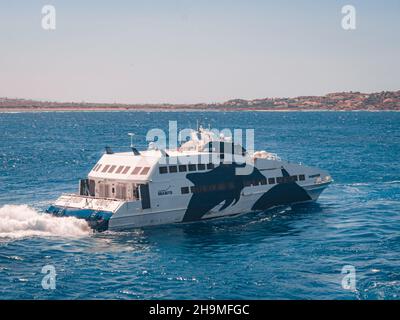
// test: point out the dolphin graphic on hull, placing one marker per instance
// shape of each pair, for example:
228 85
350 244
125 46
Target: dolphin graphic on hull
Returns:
205 198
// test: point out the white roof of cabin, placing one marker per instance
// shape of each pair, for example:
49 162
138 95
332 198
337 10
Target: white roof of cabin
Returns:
125 166
131 167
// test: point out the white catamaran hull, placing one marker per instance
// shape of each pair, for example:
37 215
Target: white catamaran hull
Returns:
127 215
200 180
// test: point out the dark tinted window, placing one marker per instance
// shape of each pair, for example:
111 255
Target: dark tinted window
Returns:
230 185
210 166
279 180
145 171
192 167
271 180
201 166
288 179
302 177
173 169
221 186
184 190
105 168
163 170
263 181
112 169
182 168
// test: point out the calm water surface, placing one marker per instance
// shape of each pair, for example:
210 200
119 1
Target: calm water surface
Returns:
290 253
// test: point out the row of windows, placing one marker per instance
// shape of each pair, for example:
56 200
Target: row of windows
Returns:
121 169
247 183
185 168
225 147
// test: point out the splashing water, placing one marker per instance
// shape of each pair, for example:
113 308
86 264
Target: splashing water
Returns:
295 255
20 221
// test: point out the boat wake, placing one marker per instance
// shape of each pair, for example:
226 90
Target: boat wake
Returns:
20 221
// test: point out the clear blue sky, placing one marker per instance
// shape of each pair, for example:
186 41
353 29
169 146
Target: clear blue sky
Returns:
196 51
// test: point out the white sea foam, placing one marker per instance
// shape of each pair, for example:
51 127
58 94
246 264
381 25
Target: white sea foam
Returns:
19 221
392 182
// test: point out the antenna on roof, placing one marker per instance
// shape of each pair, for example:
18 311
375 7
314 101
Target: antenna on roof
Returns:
135 151
163 153
131 135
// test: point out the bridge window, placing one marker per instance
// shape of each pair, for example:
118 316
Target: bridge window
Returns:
163 170
173 169
105 168
182 168
201 166
263 181
302 177
192 167
126 170
271 180
97 167
210 166
145 171
225 147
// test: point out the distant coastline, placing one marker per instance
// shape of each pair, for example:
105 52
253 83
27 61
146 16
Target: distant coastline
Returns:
340 101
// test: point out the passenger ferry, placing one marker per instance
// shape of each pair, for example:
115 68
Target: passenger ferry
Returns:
207 177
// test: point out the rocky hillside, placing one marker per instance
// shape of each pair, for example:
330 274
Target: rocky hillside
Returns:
386 100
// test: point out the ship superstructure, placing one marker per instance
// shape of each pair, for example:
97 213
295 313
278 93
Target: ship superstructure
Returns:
207 177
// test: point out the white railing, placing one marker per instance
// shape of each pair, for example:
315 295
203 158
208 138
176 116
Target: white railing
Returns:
75 195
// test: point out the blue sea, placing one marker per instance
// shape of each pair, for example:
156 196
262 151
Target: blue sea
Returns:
286 253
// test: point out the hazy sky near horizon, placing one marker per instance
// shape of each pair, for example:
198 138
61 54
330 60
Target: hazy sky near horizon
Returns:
182 51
